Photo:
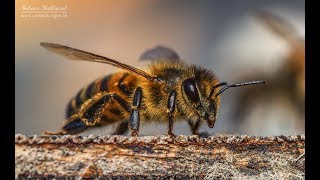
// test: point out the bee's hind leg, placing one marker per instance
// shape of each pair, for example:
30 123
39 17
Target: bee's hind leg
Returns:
73 125
89 115
91 112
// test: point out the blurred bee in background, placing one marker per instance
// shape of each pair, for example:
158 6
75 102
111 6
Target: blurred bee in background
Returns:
287 83
170 90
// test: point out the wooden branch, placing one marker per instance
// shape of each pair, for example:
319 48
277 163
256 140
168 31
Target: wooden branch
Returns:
149 157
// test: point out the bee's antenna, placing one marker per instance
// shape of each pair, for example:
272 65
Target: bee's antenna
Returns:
238 85
215 86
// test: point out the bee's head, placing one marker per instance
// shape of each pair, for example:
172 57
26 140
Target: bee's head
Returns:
204 107
205 98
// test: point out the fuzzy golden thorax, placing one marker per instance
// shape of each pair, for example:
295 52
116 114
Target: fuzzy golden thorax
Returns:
193 86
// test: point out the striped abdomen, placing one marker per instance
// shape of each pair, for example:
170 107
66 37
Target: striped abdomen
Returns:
121 83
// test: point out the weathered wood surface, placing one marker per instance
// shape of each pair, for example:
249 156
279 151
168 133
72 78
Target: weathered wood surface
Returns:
149 157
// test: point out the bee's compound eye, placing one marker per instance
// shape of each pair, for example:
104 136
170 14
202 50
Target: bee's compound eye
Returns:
190 88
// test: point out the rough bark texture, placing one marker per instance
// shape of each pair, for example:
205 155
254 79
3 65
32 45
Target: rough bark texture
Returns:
149 157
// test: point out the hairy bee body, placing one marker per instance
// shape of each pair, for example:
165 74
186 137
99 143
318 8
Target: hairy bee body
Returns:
168 90
155 95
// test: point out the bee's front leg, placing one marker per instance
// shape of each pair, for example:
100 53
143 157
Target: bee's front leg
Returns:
170 110
195 128
135 116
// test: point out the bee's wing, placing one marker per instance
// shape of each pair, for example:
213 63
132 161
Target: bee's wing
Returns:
278 26
76 54
160 52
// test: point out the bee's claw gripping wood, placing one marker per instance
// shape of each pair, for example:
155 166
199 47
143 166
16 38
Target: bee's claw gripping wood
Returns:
160 157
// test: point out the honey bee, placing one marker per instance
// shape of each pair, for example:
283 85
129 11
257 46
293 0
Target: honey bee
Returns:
169 90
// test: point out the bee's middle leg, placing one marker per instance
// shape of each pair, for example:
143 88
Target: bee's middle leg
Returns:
134 121
170 110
